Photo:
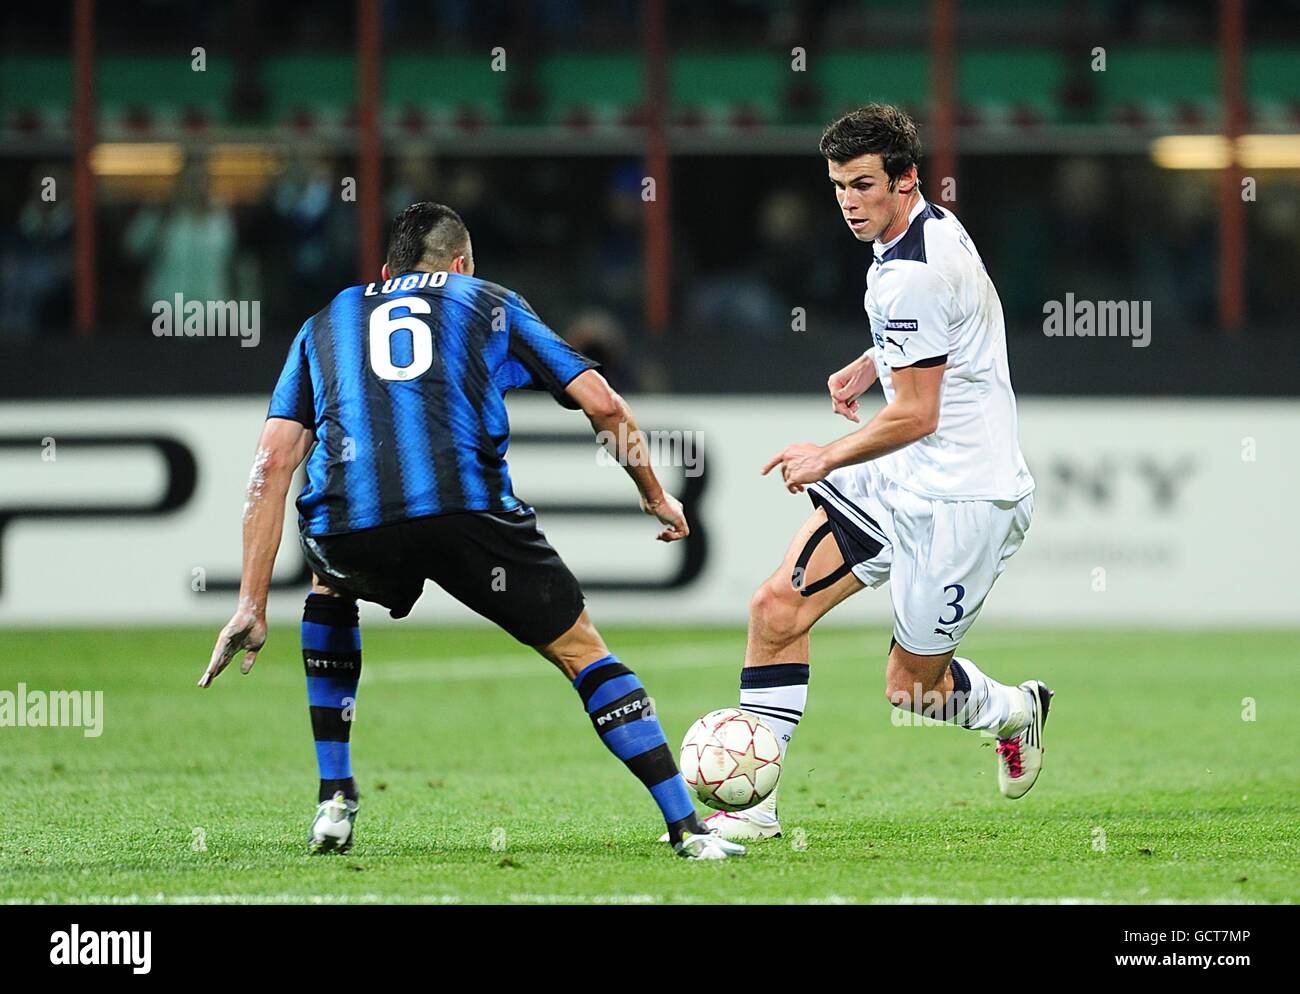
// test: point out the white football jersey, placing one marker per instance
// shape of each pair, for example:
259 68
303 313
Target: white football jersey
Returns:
930 301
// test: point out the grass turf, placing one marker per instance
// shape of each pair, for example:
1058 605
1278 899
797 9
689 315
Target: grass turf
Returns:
482 780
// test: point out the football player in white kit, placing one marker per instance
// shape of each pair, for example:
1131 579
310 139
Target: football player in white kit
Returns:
931 494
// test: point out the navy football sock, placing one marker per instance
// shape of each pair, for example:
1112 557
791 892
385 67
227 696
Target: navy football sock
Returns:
331 655
623 716
777 694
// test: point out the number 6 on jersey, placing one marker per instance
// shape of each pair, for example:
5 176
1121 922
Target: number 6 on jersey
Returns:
383 326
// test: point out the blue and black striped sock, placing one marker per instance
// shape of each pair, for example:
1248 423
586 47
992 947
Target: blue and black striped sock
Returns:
331 655
623 715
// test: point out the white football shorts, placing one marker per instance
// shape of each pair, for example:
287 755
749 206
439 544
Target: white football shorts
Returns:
941 557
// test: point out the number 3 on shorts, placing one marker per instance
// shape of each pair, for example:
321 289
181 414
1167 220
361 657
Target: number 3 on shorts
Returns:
955 604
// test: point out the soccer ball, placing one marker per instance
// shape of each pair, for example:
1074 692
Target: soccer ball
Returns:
731 758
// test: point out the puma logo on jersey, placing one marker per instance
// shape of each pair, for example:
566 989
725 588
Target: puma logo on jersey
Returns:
899 324
940 631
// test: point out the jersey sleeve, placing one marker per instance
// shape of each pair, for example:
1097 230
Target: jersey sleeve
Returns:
550 362
918 308
292 398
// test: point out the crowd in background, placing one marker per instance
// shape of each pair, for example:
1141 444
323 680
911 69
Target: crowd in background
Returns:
754 237
752 240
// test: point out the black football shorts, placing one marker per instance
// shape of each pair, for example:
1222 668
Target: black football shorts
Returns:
498 564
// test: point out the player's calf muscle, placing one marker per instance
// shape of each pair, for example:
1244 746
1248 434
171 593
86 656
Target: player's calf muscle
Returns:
912 681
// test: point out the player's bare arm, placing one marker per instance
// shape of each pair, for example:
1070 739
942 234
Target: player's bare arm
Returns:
913 414
848 384
614 424
280 450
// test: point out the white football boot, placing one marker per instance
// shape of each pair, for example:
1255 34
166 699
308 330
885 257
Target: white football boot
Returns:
331 828
751 825
707 845
1020 756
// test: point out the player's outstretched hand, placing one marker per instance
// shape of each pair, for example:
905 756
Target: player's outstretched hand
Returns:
668 509
848 384
245 632
800 464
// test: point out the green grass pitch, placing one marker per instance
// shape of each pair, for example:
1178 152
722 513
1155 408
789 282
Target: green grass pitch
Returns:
482 780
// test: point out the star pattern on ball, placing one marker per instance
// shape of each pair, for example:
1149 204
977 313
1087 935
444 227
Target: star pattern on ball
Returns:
747 763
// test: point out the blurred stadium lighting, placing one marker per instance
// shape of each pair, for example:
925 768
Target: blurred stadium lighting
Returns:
137 159
1214 151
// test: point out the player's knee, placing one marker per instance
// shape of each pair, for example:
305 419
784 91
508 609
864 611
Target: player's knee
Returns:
318 586
578 647
775 612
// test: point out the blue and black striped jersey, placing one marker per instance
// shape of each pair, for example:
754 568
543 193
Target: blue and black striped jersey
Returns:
404 385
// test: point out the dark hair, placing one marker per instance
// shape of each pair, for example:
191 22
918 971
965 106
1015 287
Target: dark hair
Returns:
425 232
879 129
